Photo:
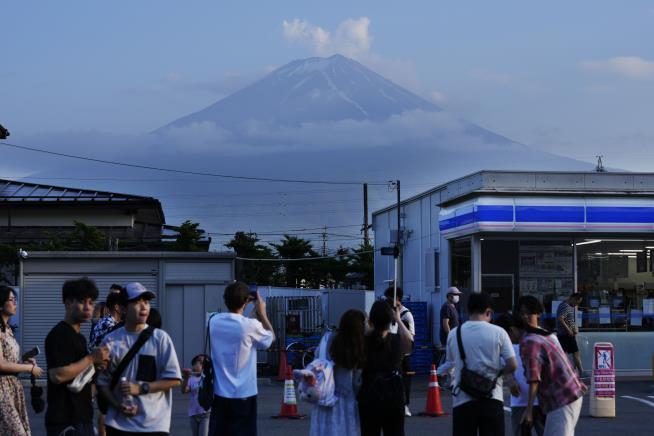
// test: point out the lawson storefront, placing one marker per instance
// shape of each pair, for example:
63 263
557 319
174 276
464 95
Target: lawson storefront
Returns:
547 235
550 247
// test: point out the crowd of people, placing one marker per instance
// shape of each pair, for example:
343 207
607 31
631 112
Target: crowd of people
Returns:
129 365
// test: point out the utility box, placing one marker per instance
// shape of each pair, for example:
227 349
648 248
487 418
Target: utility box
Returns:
337 301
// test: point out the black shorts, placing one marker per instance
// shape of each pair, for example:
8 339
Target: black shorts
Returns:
568 343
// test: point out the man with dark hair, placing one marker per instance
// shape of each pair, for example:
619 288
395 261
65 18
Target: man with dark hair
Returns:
567 330
407 319
234 342
67 356
489 353
143 403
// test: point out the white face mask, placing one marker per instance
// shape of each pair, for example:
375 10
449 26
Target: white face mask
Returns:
455 299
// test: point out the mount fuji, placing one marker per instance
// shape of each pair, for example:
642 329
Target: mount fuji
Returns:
315 91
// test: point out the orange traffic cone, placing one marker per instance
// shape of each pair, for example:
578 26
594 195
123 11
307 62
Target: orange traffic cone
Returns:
281 373
289 402
434 407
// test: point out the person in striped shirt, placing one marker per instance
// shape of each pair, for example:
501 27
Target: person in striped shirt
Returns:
567 330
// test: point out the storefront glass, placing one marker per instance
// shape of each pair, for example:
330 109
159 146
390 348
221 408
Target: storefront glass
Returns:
616 277
461 264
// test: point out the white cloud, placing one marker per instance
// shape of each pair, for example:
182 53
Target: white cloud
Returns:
351 38
632 67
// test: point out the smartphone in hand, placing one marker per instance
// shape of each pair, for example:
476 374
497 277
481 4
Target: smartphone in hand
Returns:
253 290
31 354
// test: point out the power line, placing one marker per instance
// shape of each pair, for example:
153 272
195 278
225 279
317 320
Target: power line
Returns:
172 170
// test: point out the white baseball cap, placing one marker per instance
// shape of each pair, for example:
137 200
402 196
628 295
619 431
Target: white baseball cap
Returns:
454 290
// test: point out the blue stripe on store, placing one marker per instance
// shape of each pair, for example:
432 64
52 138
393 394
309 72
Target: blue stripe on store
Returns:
595 214
549 214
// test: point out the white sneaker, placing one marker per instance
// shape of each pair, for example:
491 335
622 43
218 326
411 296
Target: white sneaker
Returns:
407 412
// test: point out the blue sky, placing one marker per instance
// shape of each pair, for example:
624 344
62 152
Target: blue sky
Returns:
574 78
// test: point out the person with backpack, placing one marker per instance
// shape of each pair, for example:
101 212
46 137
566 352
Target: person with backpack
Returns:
234 341
549 374
142 371
191 383
482 353
407 319
347 352
381 397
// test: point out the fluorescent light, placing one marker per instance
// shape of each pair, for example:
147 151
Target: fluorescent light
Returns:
631 251
592 241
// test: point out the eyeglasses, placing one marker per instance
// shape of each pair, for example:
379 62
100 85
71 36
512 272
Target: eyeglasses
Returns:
13 300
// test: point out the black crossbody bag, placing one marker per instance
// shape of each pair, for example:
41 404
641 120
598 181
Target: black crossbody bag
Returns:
103 404
476 385
205 393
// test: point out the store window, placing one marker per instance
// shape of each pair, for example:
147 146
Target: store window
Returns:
461 264
616 277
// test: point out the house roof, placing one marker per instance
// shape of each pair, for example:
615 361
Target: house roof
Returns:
19 192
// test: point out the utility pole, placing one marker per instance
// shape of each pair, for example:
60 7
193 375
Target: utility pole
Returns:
366 238
396 185
324 242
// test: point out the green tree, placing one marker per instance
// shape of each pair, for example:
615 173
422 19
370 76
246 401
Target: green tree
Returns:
363 263
189 236
246 245
86 238
295 273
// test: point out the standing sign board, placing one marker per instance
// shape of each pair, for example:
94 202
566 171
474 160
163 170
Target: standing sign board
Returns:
602 396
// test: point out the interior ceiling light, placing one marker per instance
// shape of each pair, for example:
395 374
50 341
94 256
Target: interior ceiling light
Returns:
631 251
592 241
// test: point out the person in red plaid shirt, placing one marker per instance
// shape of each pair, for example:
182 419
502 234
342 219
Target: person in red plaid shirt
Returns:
548 373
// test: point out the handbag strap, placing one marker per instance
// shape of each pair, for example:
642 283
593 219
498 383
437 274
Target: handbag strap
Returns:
459 342
142 339
207 342
322 347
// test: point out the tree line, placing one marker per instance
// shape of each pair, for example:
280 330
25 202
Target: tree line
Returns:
270 265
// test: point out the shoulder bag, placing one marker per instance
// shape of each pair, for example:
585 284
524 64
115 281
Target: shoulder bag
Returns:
476 385
103 404
205 393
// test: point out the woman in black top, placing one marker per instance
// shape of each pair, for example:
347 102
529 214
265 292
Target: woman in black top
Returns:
381 398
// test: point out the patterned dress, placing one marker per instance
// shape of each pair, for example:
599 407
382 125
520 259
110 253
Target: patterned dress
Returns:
13 412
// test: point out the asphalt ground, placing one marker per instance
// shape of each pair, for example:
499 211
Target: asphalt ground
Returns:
634 409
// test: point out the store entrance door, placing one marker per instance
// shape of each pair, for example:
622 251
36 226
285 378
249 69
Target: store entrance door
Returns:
500 288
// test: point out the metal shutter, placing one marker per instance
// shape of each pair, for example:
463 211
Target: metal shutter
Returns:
42 307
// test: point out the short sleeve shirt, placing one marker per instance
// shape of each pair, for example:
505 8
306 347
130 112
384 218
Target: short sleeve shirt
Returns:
100 330
448 311
235 340
64 346
546 363
487 348
568 313
156 360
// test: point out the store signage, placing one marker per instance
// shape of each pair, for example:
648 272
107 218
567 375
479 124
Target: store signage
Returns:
604 371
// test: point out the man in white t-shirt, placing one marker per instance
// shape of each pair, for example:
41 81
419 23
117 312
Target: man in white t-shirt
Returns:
488 352
235 340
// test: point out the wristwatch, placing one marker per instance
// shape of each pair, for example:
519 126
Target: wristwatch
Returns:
144 388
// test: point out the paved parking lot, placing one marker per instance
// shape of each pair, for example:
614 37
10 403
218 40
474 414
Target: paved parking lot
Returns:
635 405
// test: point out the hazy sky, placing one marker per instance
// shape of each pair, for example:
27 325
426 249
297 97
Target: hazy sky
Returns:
570 77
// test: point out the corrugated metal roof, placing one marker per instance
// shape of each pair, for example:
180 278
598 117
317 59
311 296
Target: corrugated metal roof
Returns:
17 191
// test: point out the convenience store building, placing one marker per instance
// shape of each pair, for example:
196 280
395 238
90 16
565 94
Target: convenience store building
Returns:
546 234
